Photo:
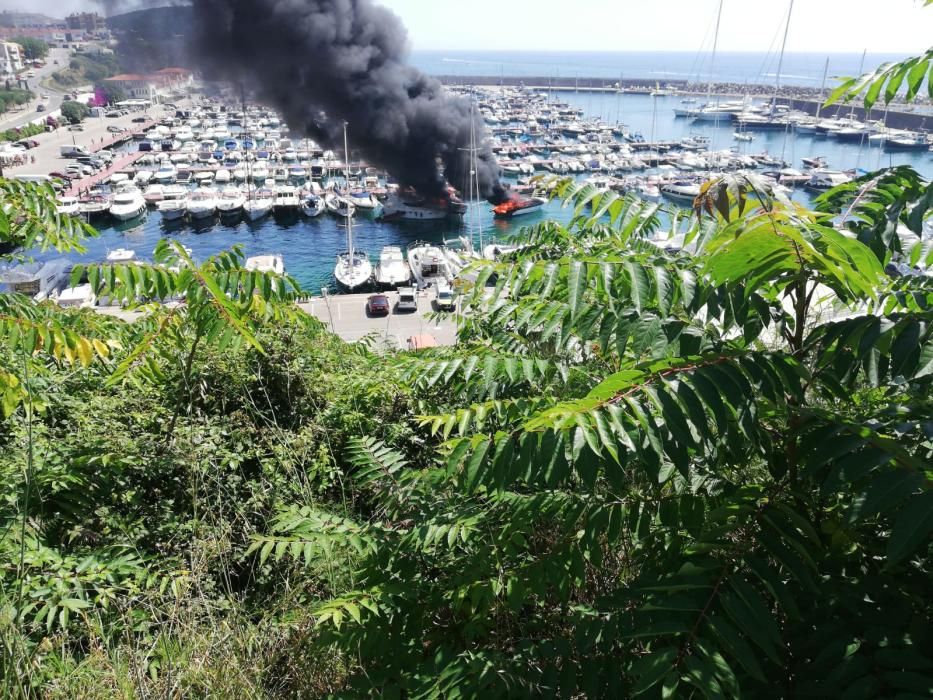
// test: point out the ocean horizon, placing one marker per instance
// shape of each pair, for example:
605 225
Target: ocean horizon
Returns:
802 69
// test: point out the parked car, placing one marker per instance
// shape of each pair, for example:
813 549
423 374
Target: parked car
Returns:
407 301
40 108
65 176
75 127
112 115
28 143
139 120
377 305
115 129
445 297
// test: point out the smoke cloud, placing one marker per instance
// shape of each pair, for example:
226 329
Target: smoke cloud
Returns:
323 62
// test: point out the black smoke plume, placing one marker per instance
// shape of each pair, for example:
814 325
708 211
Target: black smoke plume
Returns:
325 62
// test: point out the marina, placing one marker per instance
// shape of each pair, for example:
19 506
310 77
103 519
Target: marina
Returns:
620 140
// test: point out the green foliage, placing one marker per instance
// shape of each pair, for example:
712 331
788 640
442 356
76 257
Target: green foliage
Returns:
657 472
32 48
86 68
10 98
22 132
74 112
641 471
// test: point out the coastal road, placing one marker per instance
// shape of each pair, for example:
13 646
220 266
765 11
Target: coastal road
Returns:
11 120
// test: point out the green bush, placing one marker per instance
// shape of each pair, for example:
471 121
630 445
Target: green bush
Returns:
74 112
22 132
32 48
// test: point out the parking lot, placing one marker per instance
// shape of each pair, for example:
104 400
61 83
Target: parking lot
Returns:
46 158
345 315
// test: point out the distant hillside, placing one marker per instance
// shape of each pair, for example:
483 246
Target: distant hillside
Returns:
152 39
85 69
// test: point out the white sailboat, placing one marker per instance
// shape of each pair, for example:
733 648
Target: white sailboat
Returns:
353 268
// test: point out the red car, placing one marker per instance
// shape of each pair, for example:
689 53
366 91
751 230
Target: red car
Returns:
64 176
378 305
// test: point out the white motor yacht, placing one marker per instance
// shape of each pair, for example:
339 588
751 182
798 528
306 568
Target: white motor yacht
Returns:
680 191
363 200
39 280
81 295
428 264
339 206
230 201
166 173
70 206
312 206
412 209
286 199
392 269
128 203
259 204
266 263
173 209
121 255
95 205
202 203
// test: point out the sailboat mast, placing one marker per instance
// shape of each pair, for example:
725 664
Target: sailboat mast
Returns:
249 172
346 174
474 173
819 104
861 67
777 78
712 60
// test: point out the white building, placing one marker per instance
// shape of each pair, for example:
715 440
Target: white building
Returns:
11 58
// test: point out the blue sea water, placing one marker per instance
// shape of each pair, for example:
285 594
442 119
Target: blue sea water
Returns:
801 69
310 246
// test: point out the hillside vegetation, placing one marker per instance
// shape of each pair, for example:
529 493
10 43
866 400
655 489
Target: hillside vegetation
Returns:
692 471
84 69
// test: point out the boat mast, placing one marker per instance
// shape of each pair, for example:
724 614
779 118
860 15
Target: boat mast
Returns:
346 171
474 173
819 104
861 67
777 78
249 171
712 60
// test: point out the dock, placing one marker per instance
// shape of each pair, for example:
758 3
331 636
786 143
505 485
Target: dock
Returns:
119 164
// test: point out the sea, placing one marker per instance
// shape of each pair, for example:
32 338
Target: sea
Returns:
309 247
803 69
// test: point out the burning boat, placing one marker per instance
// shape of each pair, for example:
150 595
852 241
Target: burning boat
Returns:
518 206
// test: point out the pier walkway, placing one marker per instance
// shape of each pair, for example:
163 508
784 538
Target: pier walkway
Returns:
120 163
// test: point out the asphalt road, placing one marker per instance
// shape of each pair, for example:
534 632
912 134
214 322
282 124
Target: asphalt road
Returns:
12 120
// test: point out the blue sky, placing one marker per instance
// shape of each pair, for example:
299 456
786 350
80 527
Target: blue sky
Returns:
818 26
897 26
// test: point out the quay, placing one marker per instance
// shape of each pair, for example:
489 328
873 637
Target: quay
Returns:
119 164
345 316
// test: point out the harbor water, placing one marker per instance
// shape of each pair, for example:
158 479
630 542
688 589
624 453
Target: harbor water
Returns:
309 246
